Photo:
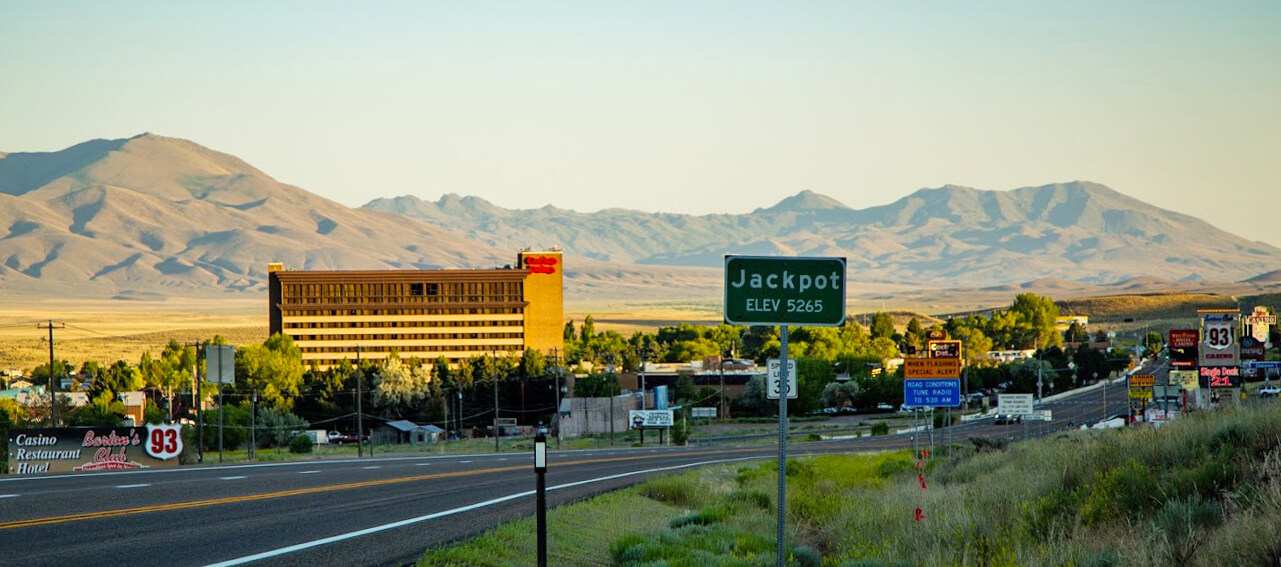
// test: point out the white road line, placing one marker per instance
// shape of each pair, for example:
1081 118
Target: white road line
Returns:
371 468
133 485
8 495
308 472
232 477
506 459
464 461
422 464
476 506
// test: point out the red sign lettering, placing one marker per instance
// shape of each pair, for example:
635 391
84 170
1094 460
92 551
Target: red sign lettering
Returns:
541 264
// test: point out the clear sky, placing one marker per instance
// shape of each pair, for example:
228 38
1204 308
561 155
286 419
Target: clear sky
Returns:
676 106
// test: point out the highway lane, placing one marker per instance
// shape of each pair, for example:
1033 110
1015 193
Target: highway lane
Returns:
203 515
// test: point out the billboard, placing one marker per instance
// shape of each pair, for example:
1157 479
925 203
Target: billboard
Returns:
1183 351
647 419
944 349
1014 404
1218 345
1220 376
93 449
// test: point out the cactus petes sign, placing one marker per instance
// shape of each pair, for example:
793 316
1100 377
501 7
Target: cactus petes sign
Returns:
768 290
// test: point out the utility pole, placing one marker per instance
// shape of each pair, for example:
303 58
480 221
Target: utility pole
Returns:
360 418
253 426
53 390
644 359
497 432
200 402
556 378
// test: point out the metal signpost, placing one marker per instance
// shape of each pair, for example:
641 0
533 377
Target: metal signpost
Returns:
783 291
220 368
540 469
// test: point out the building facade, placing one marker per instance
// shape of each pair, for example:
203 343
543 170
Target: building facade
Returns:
426 314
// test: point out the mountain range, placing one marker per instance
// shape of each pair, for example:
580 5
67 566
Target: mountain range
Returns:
153 216
958 236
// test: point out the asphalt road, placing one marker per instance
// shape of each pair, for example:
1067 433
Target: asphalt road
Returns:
383 511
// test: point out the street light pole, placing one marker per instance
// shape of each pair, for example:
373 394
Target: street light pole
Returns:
497 432
644 361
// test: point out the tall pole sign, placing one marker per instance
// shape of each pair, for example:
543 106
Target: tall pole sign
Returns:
1219 350
783 291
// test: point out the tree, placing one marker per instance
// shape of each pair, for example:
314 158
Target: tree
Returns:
597 386
1076 333
1040 315
276 427
812 376
273 369
1153 342
882 325
974 344
1100 336
399 388
103 410
884 348
914 334
589 329
840 394
532 365
177 362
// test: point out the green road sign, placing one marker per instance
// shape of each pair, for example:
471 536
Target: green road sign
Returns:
772 290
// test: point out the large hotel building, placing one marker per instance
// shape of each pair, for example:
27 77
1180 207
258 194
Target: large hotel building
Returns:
425 314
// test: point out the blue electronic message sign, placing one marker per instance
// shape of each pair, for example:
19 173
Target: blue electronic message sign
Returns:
933 392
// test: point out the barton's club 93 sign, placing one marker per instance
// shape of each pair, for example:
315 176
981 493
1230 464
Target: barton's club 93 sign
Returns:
93 449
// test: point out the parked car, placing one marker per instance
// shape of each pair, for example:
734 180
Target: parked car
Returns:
884 407
336 438
1269 391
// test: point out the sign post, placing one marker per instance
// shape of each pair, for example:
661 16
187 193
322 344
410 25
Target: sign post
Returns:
220 368
540 469
783 291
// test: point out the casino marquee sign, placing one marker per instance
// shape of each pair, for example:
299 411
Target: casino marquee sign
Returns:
93 449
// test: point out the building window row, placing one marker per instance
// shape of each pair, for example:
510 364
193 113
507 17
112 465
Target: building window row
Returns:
407 337
375 312
403 324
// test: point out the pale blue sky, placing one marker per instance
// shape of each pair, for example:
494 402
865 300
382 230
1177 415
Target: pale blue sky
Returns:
676 106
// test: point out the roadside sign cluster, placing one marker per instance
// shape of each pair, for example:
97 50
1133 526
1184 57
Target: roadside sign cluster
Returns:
934 381
783 291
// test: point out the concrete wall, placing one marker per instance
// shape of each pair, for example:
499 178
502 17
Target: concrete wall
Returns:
589 416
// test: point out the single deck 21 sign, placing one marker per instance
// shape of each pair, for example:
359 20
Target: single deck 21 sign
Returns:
765 290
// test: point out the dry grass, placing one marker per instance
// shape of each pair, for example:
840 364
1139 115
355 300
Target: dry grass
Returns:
121 330
1115 308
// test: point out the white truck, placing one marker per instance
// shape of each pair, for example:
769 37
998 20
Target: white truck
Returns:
318 436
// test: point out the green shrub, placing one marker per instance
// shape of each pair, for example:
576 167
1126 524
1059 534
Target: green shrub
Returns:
300 445
805 556
753 497
880 428
1181 527
677 491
